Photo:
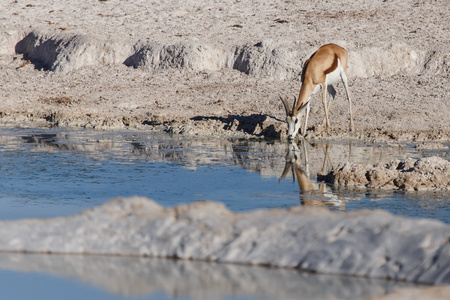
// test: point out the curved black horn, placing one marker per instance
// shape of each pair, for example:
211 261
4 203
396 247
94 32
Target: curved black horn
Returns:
286 105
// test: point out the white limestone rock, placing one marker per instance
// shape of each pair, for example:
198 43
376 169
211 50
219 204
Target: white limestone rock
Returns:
63 52
363 243
431 173
280 59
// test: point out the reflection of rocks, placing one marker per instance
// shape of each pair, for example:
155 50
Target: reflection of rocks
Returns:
431 145
135 276
264 157
431 173
61 141
372 244
428 293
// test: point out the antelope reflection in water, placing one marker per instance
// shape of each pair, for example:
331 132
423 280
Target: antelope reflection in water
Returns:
311 193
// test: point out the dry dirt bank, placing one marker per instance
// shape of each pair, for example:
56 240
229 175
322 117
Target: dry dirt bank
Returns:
218 67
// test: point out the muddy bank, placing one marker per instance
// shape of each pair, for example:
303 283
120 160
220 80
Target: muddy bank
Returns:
432 173
218 68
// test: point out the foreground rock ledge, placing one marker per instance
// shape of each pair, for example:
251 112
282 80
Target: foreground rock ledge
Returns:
363 243
432 173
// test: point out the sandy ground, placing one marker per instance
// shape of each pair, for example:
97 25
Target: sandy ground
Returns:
219 67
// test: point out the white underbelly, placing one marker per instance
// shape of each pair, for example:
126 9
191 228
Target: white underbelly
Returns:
331 78
334 76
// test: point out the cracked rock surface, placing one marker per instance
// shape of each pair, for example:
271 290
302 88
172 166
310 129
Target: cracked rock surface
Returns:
362 243
431 173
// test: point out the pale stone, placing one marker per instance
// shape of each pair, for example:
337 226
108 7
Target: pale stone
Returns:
364 243
431 173
70 51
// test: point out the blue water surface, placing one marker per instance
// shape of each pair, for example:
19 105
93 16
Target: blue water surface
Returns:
49 172
52 172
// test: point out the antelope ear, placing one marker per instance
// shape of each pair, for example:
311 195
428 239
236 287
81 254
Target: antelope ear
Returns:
286 106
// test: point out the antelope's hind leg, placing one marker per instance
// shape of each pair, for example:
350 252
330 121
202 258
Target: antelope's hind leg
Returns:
345 81
332 93
325 106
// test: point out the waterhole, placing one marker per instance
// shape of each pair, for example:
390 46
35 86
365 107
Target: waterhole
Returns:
55 172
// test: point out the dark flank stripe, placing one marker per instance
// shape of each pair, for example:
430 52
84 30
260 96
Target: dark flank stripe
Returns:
333 66
306 66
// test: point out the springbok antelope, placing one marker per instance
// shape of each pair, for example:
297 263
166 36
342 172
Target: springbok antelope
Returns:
321 70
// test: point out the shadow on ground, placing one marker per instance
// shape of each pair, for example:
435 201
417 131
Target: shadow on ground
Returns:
255 124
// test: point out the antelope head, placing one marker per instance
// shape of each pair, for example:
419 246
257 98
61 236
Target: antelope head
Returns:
292 118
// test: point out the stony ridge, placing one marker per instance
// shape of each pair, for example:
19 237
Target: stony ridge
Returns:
66 52
431 173
369 244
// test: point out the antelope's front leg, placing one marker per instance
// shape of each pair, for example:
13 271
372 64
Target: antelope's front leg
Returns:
305 126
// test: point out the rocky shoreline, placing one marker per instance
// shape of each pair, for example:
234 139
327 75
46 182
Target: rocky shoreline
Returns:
372 244
426 174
